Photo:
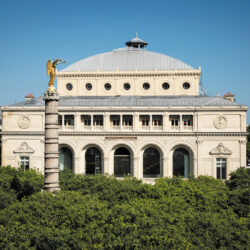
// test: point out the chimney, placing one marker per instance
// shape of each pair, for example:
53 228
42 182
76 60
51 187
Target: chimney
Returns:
29 96
229 96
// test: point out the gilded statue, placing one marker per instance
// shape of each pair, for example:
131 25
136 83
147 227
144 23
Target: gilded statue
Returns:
51 70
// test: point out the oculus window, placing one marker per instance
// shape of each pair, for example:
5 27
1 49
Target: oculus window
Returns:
69 86
165 85
186 85
146 85
107 86
126 86
88 86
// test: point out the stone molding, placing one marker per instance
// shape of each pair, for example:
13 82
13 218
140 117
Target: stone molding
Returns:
220 150
221 122
23 122
125 74
133 134
24 148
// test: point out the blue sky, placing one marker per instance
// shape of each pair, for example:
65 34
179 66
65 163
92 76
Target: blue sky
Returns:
213 34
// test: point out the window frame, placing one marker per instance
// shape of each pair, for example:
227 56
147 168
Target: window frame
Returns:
219 164
23 163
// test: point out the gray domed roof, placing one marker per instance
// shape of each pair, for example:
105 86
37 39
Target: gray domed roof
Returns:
128 59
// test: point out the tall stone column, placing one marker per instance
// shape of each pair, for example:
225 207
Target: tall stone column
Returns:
51 170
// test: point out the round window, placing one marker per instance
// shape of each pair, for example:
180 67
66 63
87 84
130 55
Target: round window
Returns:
186 85
107 86
88 86
126 86
69 86
165 85
146 85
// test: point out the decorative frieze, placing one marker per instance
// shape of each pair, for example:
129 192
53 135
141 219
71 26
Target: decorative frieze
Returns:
220 150
24 148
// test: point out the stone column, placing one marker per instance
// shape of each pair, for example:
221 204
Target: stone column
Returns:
51 168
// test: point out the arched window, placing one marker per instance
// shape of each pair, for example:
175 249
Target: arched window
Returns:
151 163
93 161
181 162
122 162
65 158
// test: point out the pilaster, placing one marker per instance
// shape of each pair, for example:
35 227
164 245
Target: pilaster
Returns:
165 171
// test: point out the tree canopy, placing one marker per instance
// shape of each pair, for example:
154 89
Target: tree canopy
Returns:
101 212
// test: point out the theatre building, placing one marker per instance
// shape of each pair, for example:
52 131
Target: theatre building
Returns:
131 112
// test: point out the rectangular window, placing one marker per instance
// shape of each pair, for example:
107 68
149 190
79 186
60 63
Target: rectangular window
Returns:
25 162
115 121
86 121
127 120
187 121
98 120
144 119
175 120
221 164
69 121
60 120
157 120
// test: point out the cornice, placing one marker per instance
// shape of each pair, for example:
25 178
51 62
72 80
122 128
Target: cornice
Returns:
182 109
128 74
128 134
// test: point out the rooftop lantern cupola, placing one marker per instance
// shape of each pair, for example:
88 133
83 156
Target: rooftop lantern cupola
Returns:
137 43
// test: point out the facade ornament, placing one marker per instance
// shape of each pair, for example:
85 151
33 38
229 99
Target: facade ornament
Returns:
199 141
51 92
220 122
24 148
51 70
24 122
242 141
220 150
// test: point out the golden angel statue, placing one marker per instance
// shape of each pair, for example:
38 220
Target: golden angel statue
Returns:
51 70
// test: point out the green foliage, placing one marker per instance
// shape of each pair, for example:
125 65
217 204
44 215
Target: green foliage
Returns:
248 141
27 182
20 182
239 179
239 197
6 198
105 188
101 212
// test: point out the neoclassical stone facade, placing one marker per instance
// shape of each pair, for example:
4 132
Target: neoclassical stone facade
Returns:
131 112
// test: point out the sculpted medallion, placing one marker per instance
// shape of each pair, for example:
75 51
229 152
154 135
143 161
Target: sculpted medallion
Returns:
24 122
220 122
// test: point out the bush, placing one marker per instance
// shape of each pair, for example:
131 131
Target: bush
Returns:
66 220
22 182
105 213
239 197
6 198
104 187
